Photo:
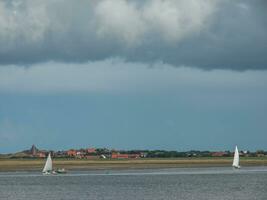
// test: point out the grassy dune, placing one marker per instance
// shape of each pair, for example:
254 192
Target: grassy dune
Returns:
37 164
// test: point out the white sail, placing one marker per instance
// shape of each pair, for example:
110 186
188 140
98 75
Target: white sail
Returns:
48 164
236 158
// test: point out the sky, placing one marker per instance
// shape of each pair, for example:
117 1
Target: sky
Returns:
133 74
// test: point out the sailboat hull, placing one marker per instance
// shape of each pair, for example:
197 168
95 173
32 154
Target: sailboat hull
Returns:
50 173
46 173
236 167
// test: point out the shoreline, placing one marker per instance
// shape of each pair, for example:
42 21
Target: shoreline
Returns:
9 165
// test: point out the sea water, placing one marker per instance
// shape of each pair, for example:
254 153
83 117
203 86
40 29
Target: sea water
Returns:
190 183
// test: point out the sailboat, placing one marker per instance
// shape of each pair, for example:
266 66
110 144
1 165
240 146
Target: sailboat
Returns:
236 159
48 168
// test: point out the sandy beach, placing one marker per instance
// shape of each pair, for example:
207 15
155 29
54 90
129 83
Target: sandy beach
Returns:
77 164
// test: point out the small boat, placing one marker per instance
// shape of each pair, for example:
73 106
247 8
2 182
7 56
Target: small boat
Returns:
61 171
236 159
48 168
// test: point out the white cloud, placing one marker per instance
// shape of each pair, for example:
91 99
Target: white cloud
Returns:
22 22
30 22
170 19
119 19
178 19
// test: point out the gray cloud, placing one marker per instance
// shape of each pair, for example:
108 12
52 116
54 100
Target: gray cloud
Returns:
115 76
207 34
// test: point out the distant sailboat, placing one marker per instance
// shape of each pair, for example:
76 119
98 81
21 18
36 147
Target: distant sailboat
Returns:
236 159
48 168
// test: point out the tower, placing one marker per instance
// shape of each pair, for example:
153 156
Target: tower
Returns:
33 150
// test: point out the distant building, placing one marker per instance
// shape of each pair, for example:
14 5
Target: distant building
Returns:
72 153
91 150
134 156
41 154
33 150
119 156
80 154
61 154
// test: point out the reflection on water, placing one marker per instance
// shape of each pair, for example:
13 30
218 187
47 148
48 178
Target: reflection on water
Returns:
188 183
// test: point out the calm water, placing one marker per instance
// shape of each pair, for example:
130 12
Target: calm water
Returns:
208 183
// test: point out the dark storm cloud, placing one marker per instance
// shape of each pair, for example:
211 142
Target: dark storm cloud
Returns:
206 34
